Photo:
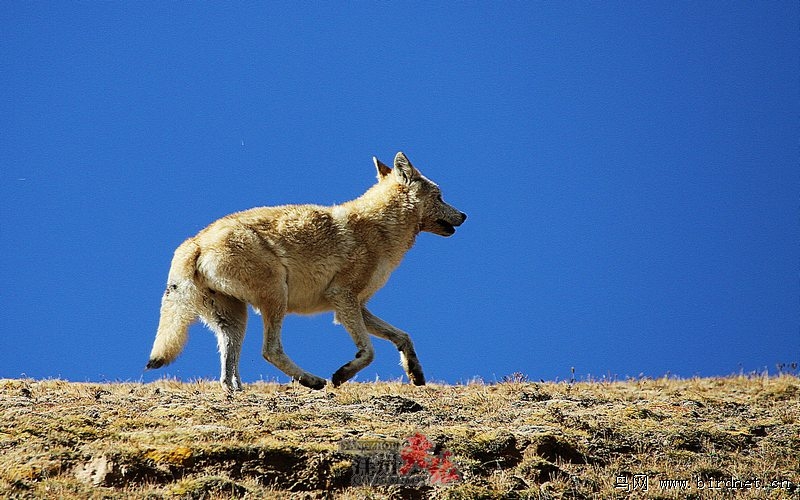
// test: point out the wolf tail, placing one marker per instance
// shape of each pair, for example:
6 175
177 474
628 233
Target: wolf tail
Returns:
179 306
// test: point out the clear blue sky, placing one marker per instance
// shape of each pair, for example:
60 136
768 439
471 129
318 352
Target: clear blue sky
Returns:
630 171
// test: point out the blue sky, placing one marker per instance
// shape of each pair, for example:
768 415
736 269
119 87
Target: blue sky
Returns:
630 171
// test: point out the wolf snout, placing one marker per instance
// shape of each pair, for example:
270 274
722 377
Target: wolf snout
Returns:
448 227
458 222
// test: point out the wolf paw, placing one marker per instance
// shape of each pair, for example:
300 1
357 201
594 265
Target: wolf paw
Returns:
340 377
312 382
231 386
417 378
154 363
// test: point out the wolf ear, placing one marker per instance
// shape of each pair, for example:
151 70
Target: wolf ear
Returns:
404 170
381 167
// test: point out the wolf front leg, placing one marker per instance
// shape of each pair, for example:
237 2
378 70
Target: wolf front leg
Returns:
348 313
401 340
273 352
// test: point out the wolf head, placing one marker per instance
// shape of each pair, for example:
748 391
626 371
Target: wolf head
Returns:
436 216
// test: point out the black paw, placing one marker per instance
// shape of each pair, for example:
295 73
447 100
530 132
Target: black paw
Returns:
312 382
417 378
340 377
154 363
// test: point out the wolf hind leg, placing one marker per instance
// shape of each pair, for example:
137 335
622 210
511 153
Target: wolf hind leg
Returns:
226 316
401 340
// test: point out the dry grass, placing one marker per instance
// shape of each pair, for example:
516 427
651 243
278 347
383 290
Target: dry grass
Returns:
513 439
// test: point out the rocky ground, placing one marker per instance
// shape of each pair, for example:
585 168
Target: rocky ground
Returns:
736 437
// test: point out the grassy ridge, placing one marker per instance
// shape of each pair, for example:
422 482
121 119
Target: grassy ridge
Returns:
735 436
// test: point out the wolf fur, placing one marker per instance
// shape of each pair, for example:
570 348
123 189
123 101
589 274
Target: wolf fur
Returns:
302 259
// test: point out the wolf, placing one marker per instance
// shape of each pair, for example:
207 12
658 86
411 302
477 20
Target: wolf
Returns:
302 259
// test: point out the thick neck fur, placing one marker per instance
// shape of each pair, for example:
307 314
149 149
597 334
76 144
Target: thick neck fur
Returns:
389 205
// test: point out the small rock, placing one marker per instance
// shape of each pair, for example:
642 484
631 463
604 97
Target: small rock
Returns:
397 404
95 471
534 395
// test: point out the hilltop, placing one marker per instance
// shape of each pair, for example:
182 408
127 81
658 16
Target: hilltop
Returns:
659 438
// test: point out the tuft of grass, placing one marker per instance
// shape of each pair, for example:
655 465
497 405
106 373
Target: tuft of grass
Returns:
511 439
